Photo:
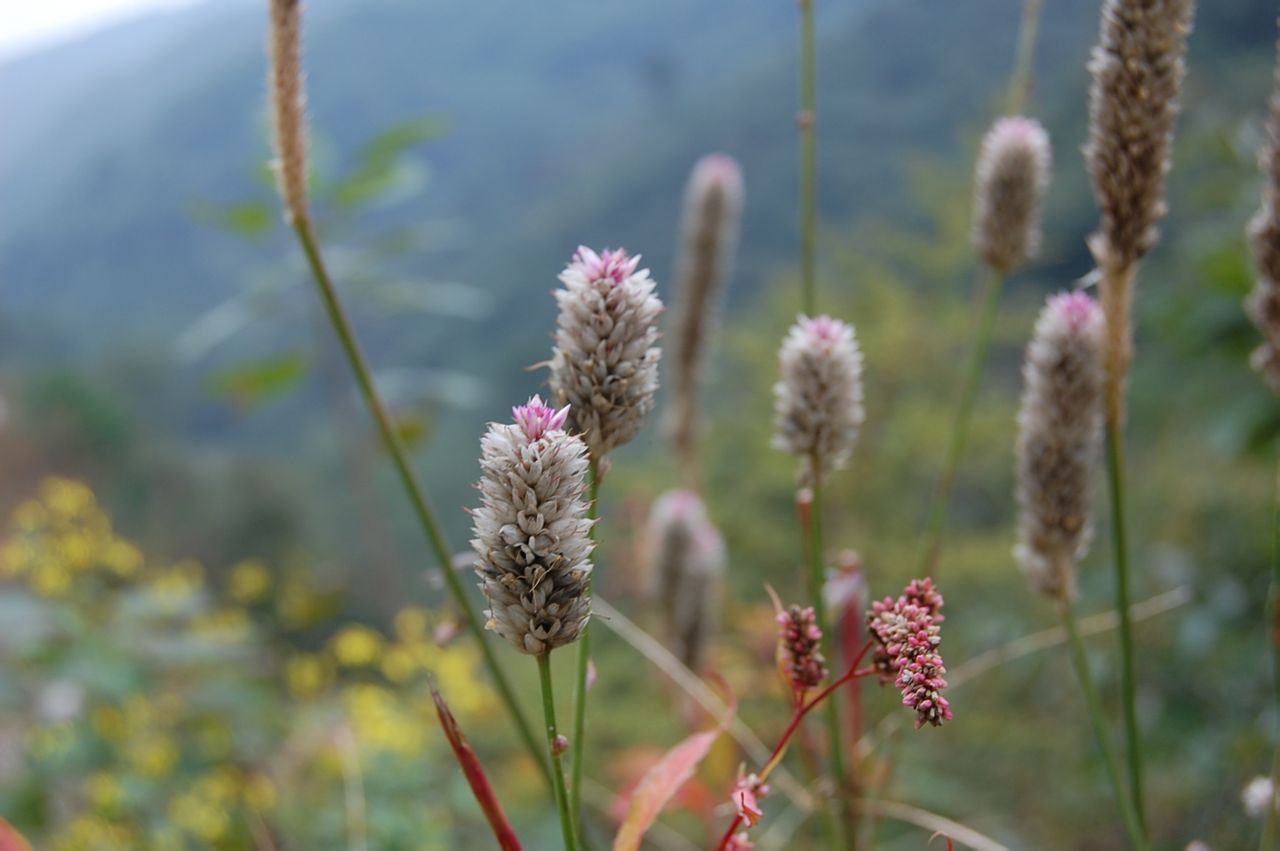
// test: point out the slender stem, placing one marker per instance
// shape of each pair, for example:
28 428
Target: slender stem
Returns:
1020 80
993 284
1269 825
1129 680
1127 810
557 770
801 710
808 159
417 496
835 736
580 678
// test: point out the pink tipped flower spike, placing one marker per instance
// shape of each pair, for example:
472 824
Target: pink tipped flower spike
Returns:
613 265
799 639
536 418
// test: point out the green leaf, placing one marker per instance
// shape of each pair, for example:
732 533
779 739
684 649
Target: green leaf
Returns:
248 385
382 164
248 218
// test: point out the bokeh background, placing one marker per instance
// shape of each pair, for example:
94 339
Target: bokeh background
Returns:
216 611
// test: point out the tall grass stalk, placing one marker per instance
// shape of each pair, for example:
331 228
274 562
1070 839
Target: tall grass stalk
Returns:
417 496
1020 82
1137 836
808 160
580 685
567 828
993 283
1268 841
846 835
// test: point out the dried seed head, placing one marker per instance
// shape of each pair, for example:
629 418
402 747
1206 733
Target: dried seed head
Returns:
818 402
799 650
531 529
708 237
688 565
1059 437
907 636
605 364
1137 69
1263 304
288 98
1012 177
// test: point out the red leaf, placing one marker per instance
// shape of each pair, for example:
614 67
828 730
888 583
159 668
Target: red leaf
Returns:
471 767
661 783
10 839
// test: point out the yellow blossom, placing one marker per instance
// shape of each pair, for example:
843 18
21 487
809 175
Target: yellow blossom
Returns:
411 623
307 674
260 793
356 646
249 582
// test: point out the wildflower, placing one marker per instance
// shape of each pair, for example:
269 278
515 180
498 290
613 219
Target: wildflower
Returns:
708 237
605 365
1263 304
531 530
356 646
799 650
687 563
1012 176
289 101
746 799
1259 794
907 635
818 401
1137 69
1059 436
249 582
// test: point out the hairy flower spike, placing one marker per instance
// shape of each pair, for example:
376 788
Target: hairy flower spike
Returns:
907 636
289 101
1137 69
1059 439
1011 179
531 530
687 563
605 364
1263 304
708 238
818 402
799 653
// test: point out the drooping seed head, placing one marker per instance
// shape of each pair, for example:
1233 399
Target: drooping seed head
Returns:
1137 67
1059 440
907 634
605 364
288 100
531 529
818 401
708 237
1011 179
687 557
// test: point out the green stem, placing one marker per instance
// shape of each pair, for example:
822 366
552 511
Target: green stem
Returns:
1269 825
1137 835
557 769
994 283
808 159
1129 679
580 678
817 570
417 497
1020 81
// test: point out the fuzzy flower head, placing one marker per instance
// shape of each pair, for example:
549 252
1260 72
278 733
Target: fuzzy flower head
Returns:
531 529
1059 440
687 561
907 636
799 650
818 401
605 364
1257 796
1012 177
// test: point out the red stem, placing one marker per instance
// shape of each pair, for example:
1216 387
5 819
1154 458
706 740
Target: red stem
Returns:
774 758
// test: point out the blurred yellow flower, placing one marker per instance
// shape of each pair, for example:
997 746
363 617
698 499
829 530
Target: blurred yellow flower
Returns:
411 623
152 756
104 791
249 582
398 664
307 674
356 646
260 793
380 722
198 816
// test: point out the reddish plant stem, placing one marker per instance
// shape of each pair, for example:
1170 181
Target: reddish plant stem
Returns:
801 711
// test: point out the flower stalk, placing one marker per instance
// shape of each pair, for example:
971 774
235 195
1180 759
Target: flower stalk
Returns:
555 746
581 671
808 160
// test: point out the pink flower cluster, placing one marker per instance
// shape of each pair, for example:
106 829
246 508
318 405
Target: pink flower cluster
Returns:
799 638
535 418
615 264
907 636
